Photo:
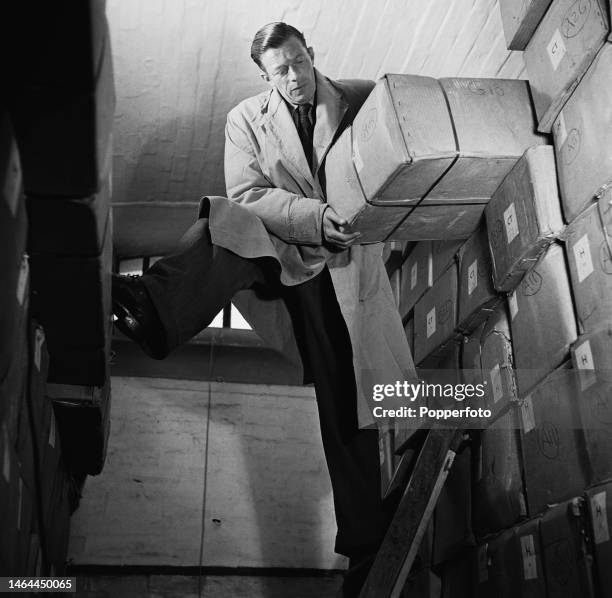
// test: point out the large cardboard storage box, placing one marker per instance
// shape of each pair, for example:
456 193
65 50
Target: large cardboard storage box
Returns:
592 360
498 496
435 316
523 216
494 573
520 19
542 319
403 139
64 134
477 297
567 559
589 253
560 52
554 459
583 136
416 277
443 253
71 227
83 420
13 231
404 151
599 506
497 362
72 300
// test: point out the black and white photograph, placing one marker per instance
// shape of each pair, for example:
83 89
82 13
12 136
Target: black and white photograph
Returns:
306 299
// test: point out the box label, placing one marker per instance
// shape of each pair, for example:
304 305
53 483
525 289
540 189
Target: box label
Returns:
586 364
530 569
560 130
527 415
414 272
472 276
431 321
23 280
511 224
556 49
601 531
582 257
513 303
496 383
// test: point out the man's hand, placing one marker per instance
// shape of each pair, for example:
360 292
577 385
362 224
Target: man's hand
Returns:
336 230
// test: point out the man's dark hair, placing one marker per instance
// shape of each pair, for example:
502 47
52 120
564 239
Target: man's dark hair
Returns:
273 35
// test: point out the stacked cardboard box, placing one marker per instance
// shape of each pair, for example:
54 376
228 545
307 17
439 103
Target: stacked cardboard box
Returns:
423 157
560 51
65 78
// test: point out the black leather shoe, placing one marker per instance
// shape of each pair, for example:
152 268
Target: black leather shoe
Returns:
137 317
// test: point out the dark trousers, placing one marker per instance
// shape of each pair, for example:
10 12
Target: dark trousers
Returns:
191 286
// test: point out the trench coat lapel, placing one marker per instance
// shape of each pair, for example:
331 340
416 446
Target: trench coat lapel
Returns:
331 108
279 124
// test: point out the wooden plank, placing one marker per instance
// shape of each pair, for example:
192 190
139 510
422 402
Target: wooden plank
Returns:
398 551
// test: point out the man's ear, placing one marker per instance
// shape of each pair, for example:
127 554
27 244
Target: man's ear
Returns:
310 52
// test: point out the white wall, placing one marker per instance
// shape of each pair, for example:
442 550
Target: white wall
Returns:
180 65
258 492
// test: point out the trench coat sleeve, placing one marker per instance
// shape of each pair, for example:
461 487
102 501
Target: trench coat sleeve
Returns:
291 217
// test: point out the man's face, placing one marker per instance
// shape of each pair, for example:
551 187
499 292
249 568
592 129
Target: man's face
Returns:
289 69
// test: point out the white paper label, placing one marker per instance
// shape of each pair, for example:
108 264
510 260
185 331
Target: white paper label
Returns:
560 130
472 276
414 271
582 257
38 343
6 457
584 356
512 230
527 415
496 383
601 531
431 322
513 303
586 364
23 279
52 431
556 49
530 570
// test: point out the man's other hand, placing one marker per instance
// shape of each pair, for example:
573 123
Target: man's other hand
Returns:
336 230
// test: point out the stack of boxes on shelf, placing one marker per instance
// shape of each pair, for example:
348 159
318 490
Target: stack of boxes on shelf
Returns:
524 305
54 332
423 156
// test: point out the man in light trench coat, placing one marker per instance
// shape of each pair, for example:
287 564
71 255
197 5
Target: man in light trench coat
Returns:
296 272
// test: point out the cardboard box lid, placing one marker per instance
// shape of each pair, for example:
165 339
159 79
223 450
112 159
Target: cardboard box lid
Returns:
581 130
